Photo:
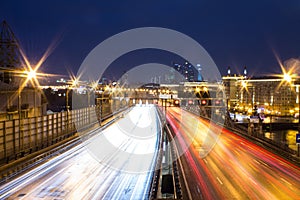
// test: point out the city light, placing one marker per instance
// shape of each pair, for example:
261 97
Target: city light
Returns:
287 74
31 74
74 82
94 85
244 84
150 128
287 77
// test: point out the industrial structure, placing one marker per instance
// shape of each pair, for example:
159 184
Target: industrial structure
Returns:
18 100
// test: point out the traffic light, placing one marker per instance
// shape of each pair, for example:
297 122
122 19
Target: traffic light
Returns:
217 102
203 102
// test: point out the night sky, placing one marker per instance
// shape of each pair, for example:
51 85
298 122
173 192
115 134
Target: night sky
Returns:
235 33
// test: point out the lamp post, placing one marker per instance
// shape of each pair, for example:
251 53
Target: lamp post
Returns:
247 86
70 85
93 86
19 112
29 76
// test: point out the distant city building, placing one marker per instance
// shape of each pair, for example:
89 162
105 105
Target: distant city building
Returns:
269 95
28 103
199 77
189 72
231 88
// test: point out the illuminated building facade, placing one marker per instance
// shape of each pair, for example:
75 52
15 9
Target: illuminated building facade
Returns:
269 95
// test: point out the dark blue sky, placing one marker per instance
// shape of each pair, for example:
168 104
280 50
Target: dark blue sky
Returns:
235 33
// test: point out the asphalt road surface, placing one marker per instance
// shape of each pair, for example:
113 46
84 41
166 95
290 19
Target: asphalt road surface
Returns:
226 166
116 163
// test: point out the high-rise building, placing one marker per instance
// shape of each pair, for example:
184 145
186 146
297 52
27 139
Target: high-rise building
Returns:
187 70
200 77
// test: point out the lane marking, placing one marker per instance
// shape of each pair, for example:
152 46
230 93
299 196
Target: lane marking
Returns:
252 180
286 181
219 181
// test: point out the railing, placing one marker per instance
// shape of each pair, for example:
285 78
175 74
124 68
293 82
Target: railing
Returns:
21 137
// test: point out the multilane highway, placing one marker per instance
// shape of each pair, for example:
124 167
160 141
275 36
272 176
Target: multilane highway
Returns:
233 168
115 163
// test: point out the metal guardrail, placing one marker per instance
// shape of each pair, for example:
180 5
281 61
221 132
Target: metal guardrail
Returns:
178 176
279 149
157 172
175 167
180 182
20 166
20 137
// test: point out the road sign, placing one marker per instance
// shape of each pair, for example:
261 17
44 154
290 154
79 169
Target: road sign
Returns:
165 96
298 138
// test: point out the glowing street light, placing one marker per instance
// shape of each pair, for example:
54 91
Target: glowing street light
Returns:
31 74
244 84
75 82
287 77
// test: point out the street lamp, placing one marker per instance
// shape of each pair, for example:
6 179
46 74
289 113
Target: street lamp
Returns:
242 97
247 86
29 75
287 77
70 85
91 88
